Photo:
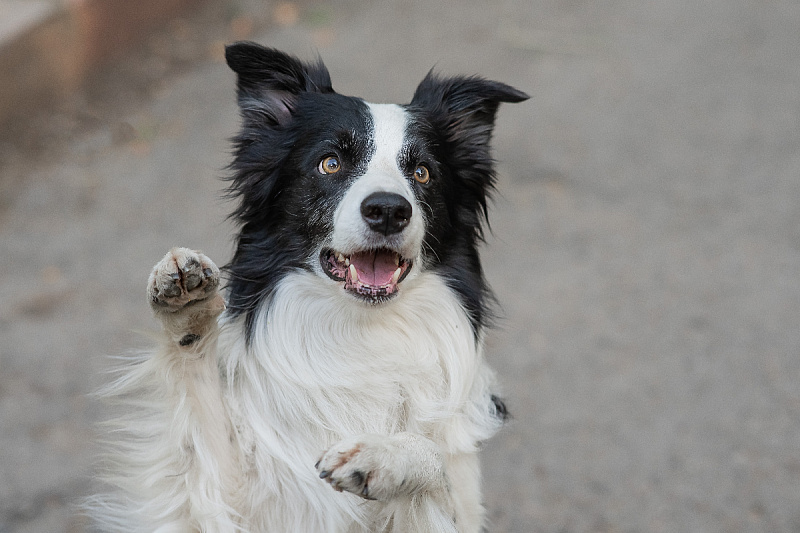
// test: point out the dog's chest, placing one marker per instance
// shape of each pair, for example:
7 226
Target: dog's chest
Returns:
325 366
320 369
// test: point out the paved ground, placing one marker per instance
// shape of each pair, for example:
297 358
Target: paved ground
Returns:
646 252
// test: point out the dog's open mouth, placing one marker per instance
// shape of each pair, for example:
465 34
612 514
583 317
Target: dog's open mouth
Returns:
373 274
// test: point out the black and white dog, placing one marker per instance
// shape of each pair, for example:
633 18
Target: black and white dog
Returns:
350 354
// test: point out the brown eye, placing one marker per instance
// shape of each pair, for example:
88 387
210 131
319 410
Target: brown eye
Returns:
329 165
421 174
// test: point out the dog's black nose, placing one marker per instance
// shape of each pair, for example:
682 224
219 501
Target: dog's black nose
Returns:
386 212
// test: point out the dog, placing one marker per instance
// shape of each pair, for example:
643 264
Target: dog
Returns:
342 386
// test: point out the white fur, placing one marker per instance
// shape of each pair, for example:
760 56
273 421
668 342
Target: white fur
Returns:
323 367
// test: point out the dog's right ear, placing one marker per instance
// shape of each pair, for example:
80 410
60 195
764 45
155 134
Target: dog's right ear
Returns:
270 81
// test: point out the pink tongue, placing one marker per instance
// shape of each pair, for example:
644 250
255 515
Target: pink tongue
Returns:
374 268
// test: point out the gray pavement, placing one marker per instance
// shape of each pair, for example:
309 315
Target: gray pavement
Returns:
646 252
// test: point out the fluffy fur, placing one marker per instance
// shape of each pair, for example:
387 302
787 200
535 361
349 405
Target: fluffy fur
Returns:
329 369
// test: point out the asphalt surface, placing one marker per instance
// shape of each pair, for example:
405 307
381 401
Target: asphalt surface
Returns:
645 249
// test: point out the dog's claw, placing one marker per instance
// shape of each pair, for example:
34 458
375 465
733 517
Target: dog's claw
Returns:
324 474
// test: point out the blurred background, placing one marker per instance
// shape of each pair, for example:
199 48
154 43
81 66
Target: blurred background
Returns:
645 246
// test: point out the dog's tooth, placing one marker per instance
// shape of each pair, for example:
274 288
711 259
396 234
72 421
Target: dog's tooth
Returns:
396 259
396 275
340 257
353 273
347 261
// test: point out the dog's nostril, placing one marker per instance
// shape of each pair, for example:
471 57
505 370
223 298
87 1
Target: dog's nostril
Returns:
386 212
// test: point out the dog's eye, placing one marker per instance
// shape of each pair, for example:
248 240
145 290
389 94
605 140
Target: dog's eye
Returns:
329 165
421 174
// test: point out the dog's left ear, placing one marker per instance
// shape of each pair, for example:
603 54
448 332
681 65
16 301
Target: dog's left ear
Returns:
270 81
464 107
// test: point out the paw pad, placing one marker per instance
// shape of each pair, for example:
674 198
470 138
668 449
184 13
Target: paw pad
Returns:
182 277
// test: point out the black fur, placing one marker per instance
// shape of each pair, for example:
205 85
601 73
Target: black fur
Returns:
500 409
460 112
292 118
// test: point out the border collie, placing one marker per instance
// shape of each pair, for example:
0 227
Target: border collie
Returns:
342 386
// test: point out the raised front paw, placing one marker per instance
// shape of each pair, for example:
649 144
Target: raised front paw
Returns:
181 278
183 292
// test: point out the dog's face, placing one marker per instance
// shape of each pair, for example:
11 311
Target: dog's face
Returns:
366 196
356 194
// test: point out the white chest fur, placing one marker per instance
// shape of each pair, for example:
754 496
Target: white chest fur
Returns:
322 367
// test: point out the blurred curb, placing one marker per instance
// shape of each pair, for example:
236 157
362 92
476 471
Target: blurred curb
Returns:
48 47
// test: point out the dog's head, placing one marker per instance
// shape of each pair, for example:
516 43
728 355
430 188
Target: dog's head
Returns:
366 196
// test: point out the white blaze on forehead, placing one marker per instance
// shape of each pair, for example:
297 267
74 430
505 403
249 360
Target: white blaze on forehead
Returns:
389 128
383 174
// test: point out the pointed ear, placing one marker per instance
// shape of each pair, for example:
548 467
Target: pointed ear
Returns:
269 81
465 107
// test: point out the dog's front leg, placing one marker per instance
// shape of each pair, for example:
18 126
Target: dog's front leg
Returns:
382 467
405 470
195 453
